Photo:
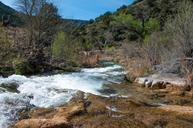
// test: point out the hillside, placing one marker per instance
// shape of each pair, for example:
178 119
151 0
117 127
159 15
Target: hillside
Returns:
69 25
128 68
14 37
6 11
140 23
127 23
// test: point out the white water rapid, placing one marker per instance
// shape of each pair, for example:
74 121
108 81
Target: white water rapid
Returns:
51 91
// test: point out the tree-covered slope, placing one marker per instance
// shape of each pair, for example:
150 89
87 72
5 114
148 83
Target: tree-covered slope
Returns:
129 23
6 11
69 25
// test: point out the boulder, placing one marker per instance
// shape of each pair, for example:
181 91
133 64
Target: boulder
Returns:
164 80
178 109
58 118
42 123
9 87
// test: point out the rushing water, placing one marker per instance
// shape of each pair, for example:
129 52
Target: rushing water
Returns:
53 90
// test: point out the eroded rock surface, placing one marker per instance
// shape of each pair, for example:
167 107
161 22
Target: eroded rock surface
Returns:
142 109
164 80
52 118
178 109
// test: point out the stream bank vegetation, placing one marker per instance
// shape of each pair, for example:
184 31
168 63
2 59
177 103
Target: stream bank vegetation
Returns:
148 36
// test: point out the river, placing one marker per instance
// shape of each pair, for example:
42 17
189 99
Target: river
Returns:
53 90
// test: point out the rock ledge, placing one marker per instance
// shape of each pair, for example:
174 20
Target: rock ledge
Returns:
164 80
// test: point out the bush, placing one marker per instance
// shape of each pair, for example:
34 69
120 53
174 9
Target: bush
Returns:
110 49
65 49
152 48
58 45
5 45
22 67
179 31
151 26
123 24
131 49
6 71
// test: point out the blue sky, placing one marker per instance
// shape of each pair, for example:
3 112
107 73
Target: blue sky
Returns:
83 9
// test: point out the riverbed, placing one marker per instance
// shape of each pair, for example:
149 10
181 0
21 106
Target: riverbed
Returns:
54 90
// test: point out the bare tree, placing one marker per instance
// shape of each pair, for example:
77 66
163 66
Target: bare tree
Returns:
152 49
5 20
30 9
41 18
181 30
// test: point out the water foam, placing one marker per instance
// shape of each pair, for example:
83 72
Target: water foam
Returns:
54 90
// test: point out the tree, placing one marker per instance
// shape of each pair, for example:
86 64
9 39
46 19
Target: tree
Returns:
47 20
105 18
137 29
41 18
180 32
180 29
65 49
5 46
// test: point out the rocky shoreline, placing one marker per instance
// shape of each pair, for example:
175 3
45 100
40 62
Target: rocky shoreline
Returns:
142 108
155 101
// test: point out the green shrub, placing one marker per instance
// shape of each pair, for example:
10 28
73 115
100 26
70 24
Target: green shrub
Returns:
58 45
65 49
110 49
5 44
87 44
128 21
6 71
22 67
132 27
151 26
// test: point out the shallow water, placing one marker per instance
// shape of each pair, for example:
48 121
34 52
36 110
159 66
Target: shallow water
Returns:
53 90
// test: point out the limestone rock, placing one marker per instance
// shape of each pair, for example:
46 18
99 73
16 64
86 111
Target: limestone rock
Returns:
42 123
58 118
177 109
164 80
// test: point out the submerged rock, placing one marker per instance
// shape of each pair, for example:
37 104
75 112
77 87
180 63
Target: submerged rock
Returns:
91 111
9 87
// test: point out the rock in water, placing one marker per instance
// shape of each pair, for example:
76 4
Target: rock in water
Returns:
9 87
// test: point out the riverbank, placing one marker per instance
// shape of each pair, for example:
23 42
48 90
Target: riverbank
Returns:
163 76
118 104
142 108
20 94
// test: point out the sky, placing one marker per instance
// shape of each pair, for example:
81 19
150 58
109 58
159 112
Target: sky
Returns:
82 9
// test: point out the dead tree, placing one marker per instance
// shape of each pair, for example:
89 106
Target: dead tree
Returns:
5 20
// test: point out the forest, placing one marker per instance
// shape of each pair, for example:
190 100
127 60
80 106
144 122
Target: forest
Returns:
40 37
